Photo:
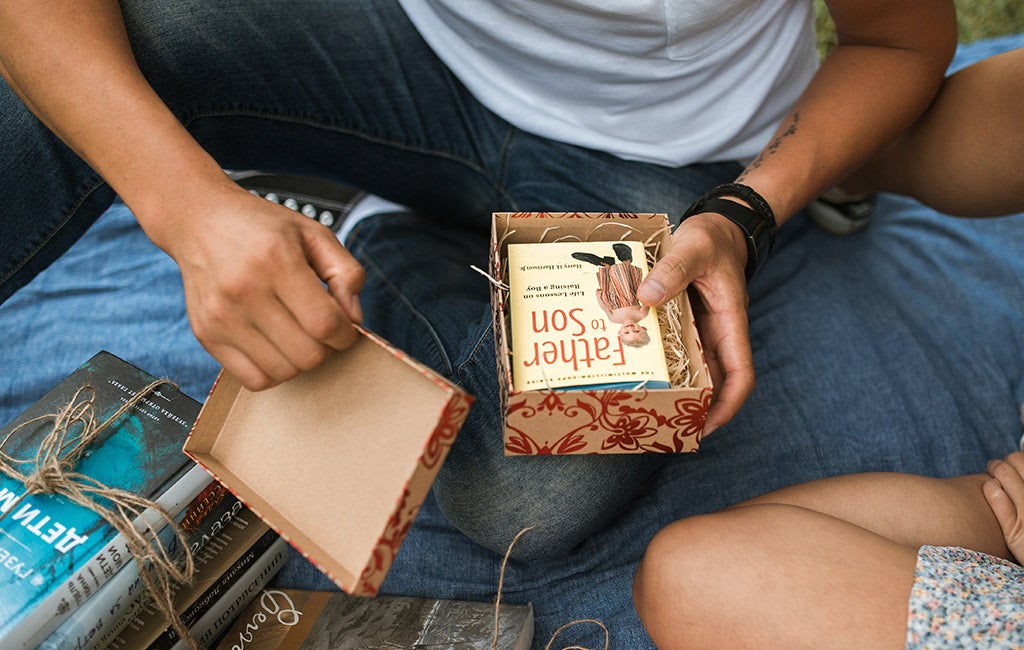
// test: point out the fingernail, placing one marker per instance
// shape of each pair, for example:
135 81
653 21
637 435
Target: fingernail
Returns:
709 429
650 292
355 311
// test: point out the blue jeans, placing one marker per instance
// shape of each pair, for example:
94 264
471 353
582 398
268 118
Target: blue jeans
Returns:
350 92
872 352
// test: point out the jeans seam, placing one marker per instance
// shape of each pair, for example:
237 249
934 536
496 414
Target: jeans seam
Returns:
476 347
499 186
369 264
404 146
49 235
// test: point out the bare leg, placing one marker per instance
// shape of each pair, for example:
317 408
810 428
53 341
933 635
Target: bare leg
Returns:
829 561
907 509
965 156
773 576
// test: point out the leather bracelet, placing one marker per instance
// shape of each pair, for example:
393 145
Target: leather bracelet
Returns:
757 222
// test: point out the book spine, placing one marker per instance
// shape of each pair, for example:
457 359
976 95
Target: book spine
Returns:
222 551
109 610
216 620
53 610
227 580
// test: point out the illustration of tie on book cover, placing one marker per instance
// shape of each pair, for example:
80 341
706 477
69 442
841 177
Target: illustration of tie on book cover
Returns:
576 321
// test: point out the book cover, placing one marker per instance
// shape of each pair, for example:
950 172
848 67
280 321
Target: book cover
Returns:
214 622
55 554
202 604
291 619
221 562
97 622
576 321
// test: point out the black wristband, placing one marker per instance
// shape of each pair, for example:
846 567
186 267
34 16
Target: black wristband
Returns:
757 222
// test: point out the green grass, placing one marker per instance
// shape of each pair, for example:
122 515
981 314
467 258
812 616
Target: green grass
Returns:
976 18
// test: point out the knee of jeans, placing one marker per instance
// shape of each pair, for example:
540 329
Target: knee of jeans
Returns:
524 530
194 52
558 501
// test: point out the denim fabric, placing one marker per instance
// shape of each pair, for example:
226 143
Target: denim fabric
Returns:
350 91
892 349
898 348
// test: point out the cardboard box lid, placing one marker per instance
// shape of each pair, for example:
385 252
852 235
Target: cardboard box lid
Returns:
330 457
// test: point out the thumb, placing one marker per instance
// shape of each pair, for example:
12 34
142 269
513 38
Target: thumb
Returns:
701 241
342 274
670 275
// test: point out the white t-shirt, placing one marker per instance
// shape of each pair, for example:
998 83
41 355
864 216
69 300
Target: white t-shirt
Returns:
664 81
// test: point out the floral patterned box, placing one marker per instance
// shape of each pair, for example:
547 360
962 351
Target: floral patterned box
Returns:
328 460
611 421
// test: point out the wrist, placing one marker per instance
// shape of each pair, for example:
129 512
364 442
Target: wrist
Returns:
176 206
750 213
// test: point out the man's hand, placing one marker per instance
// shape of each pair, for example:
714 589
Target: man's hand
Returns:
253 272
709 254
254 275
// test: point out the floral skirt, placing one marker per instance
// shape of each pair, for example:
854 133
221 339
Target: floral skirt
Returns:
965 599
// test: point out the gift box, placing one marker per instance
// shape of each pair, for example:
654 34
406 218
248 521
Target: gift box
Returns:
604 421
337 460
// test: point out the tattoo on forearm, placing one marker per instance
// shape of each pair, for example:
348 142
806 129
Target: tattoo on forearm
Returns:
772 147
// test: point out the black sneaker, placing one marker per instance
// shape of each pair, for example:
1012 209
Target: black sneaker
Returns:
842 214
327 202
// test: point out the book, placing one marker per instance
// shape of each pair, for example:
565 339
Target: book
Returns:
229 578
214 622
291 619
219 564
101 618
575 319
55 554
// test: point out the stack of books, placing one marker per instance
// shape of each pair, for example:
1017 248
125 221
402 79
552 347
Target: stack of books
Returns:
67 578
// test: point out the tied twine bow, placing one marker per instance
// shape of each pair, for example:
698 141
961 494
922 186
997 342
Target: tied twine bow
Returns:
75 429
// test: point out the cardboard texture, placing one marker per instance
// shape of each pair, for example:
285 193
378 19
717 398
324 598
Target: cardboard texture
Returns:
595 421
337 460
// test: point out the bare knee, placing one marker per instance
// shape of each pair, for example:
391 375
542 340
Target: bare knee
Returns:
679 564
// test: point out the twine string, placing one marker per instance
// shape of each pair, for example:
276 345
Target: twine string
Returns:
52 471
497 603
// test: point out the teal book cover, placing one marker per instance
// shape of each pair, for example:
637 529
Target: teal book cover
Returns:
54 554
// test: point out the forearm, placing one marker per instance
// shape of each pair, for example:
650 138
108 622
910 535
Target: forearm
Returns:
71 62
882 75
